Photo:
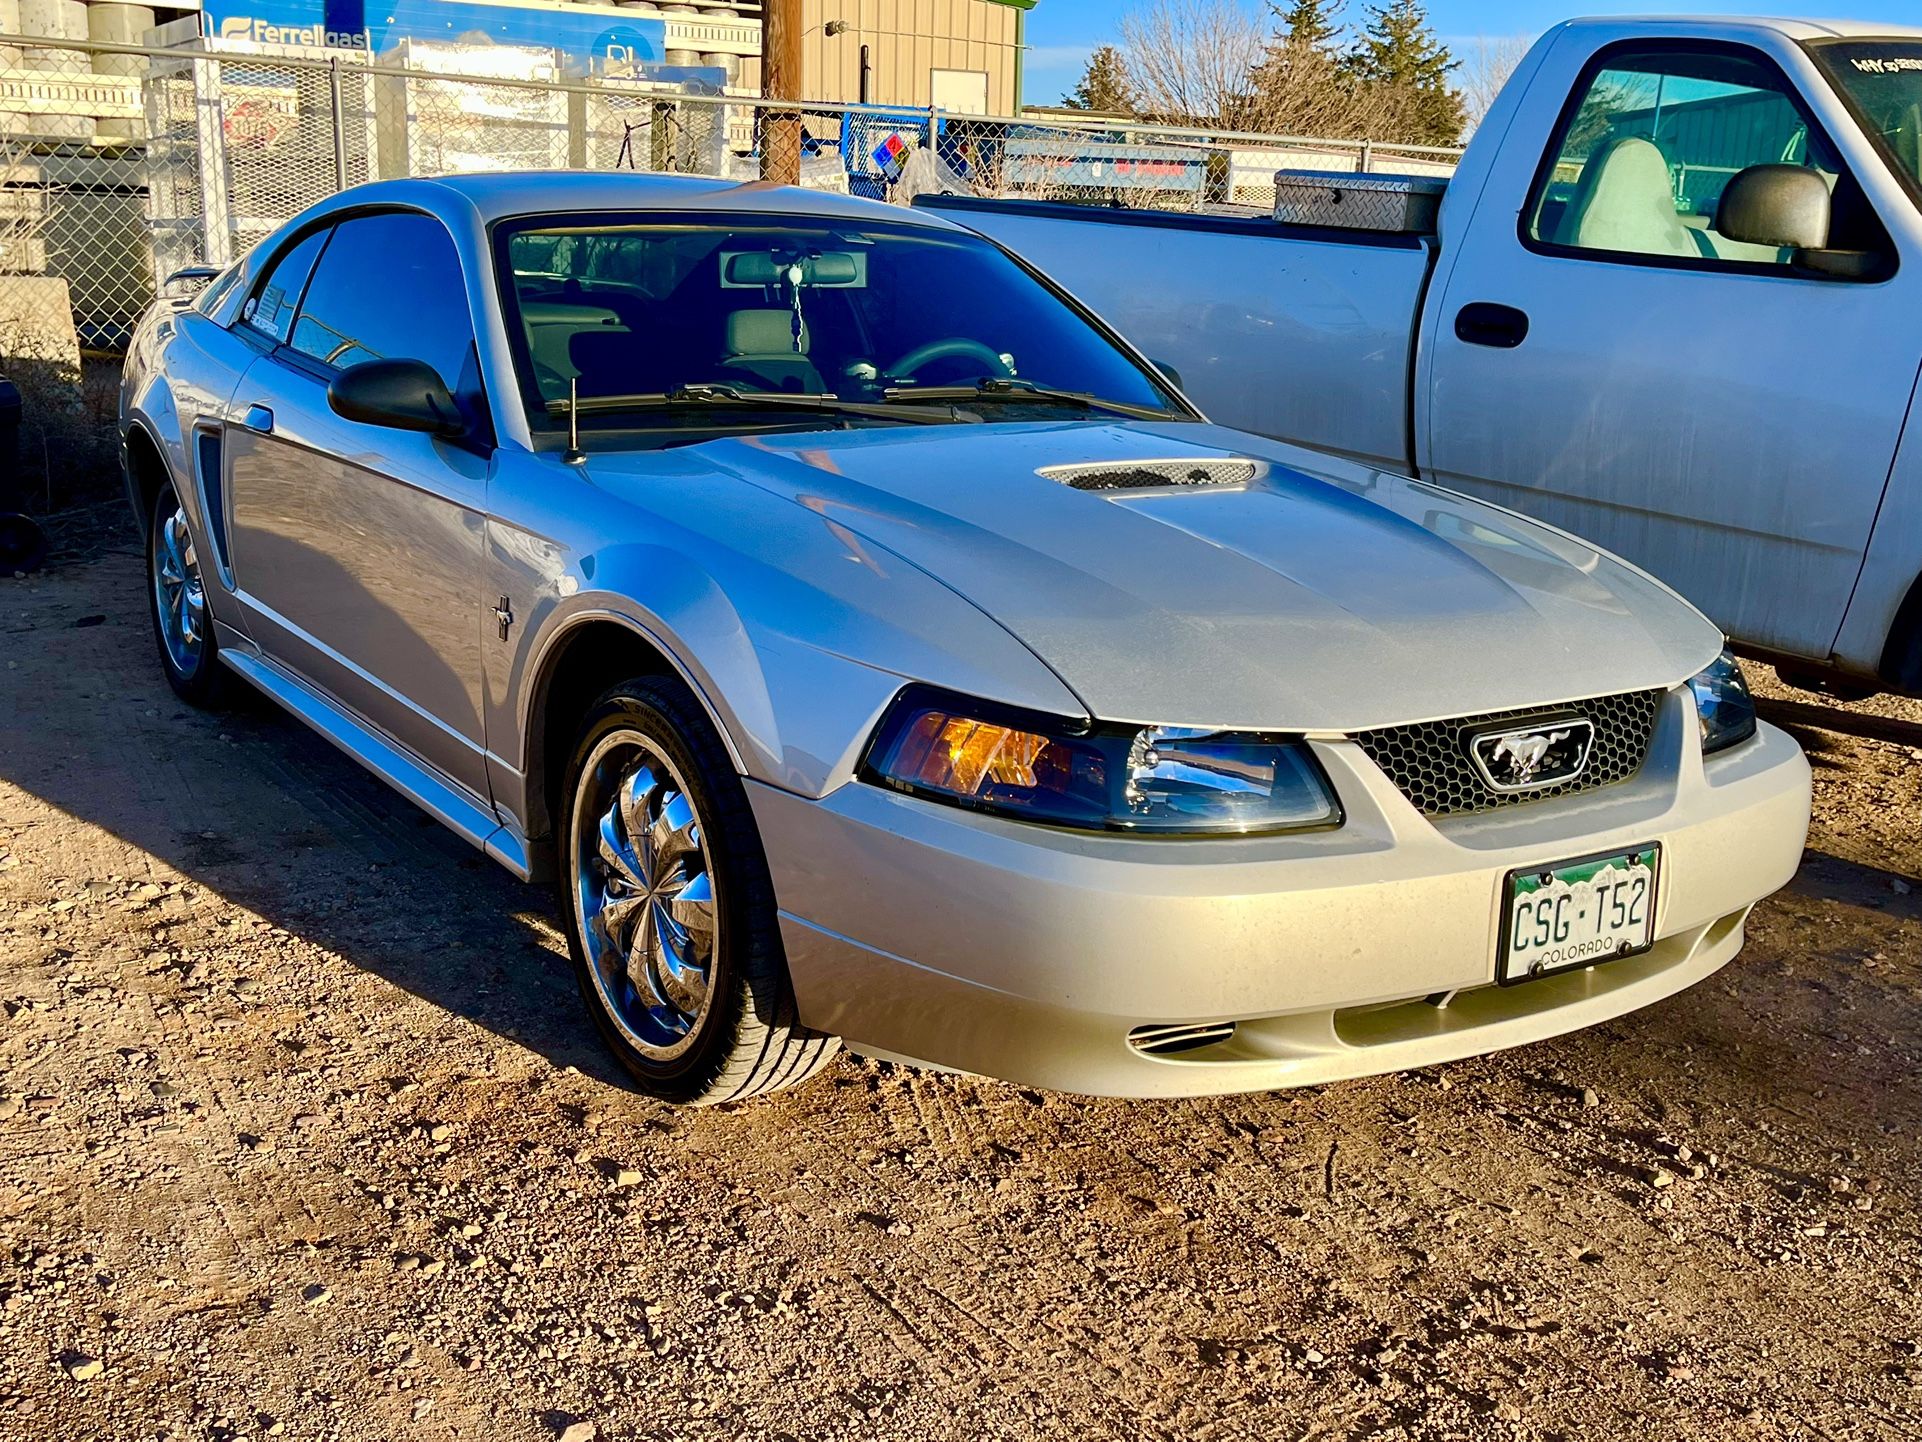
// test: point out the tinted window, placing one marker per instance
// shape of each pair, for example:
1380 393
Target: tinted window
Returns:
389 287
270 309
1643 161
860 311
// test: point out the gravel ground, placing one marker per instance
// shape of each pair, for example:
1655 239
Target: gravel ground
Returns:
303 1134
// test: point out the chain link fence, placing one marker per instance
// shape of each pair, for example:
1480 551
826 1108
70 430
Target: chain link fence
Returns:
120 164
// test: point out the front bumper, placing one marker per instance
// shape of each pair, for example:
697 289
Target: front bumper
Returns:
939 936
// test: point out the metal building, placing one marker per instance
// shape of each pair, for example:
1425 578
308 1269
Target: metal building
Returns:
963 56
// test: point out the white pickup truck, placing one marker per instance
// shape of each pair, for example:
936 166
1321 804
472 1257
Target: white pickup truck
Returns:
1669 301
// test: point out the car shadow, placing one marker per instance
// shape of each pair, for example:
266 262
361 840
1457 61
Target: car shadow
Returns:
254 807
1800 717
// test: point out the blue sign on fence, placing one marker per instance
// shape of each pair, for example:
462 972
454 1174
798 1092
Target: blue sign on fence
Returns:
588 41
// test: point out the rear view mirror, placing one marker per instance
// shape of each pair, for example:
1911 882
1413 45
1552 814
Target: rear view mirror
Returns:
406 395
758 268
1168 373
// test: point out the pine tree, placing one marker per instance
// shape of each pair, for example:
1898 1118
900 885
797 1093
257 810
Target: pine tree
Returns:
1307 24
1300 86
1104 87
1400 54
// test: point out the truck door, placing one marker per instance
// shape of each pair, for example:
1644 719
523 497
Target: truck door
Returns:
1601 356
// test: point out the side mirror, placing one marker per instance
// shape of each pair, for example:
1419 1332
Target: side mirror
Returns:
1784 205
1169 373
407 395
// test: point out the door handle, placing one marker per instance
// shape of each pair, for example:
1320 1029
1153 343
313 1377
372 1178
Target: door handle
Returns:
259 418
1485 323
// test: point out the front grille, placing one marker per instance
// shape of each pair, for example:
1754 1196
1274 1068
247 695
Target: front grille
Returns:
1430 763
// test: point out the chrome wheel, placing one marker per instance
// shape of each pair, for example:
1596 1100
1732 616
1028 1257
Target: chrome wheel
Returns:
645 895
180 601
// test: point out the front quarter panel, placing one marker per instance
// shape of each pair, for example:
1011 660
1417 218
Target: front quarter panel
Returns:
180 375
794 632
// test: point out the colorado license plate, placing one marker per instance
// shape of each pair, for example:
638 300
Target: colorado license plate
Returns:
1576 913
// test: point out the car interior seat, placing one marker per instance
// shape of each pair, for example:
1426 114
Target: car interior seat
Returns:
552 326
611 361
1627 203
761 343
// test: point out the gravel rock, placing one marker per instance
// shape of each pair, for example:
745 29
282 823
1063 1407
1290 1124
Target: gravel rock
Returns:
81 1367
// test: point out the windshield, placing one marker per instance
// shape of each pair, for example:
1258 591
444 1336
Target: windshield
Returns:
1882 80
867 314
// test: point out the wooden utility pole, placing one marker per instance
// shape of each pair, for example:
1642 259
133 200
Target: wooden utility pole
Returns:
781 80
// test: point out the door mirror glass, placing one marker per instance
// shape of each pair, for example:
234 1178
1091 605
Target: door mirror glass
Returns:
1784 205
405 395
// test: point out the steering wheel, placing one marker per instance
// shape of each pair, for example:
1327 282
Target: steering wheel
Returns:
925 355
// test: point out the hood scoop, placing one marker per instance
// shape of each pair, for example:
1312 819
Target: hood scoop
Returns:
1187 473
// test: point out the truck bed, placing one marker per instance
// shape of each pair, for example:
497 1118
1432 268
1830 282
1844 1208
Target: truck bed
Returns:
1302 332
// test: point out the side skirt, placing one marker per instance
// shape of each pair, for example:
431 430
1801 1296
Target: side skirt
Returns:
438 797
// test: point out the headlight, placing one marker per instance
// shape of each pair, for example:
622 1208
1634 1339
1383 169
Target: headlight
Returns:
1166 781
1723 703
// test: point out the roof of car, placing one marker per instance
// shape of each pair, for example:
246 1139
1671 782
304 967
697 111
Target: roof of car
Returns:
495 195
1718 24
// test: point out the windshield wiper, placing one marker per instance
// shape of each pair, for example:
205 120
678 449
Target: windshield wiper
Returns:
725 397
1009 389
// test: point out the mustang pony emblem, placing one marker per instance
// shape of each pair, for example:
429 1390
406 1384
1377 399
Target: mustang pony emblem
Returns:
1524 754
1526 758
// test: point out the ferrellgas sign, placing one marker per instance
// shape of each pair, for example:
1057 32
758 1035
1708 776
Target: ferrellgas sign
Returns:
588 40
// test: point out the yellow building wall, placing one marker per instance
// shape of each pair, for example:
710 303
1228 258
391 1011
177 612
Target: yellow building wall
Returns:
907 41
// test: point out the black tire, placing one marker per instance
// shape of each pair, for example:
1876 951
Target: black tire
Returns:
199 680
747 1041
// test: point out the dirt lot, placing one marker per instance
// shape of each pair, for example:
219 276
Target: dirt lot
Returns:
302 1133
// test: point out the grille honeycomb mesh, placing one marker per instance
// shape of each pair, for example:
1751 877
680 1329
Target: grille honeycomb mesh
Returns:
1430 764
1151 475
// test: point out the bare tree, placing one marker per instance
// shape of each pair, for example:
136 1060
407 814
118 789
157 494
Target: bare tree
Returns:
1190 59
1485 69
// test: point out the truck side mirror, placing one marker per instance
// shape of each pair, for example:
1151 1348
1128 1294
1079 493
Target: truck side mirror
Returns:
1785 205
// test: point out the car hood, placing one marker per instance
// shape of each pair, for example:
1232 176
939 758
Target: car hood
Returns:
1333 599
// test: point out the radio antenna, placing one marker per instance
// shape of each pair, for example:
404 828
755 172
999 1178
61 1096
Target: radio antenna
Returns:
574 456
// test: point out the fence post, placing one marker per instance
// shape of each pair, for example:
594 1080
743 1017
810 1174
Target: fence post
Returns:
340 122
216 226
576 130
1367 161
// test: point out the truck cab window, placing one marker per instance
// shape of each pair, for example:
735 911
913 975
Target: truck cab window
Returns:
1642 158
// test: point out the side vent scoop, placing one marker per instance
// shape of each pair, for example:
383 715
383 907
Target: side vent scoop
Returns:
1172 1039
1155 475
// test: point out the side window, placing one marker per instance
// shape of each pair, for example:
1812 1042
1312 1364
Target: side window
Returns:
270 309
389 287
1642 162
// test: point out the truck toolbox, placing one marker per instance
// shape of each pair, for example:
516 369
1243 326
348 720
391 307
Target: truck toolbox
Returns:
1399 204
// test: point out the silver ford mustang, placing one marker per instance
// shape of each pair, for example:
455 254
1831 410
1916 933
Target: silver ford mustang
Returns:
873 646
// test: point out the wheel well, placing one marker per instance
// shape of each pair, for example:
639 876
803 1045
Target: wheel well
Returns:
588 660
146 474
1902 655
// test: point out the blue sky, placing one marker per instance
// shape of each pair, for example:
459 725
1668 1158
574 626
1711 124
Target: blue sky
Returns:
1062 32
